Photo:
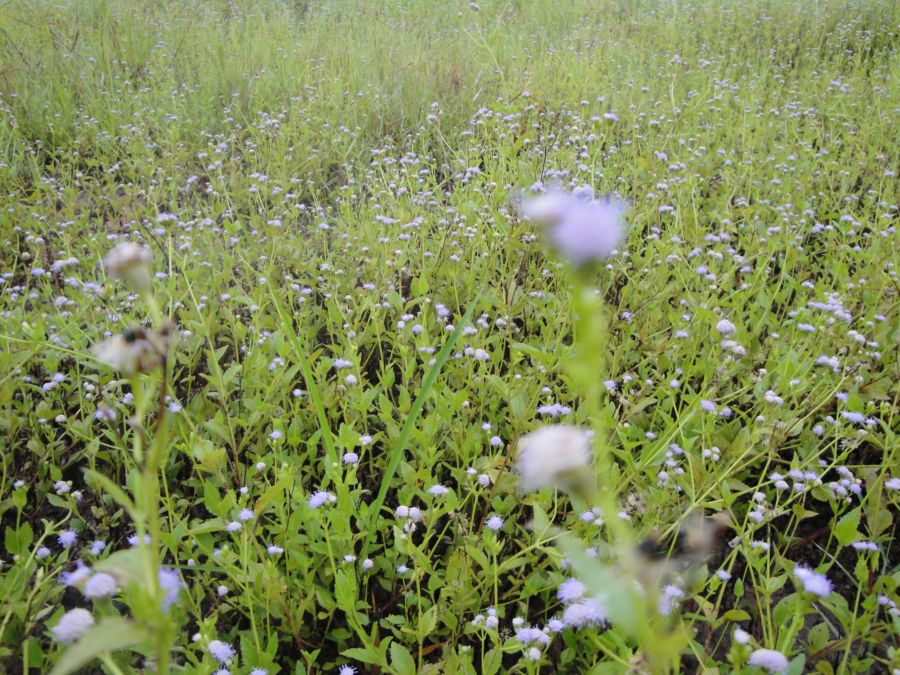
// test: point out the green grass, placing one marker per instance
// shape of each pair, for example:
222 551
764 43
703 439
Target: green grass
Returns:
755 139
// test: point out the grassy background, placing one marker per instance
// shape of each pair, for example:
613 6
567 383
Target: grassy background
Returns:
254 122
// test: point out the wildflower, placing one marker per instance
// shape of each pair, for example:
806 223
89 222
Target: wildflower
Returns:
72 625
769 659
245 515
67 538
865 546
570 590
725 327
581 229
553 456
368 564
43 552
136 350
76 577
708 406
817 584
221 651
274 550
494 523
319 498
130 262
669 600
350 458
347 670
101 585
588 612
170 583
533 654
892 484
742 637
438 490
234 526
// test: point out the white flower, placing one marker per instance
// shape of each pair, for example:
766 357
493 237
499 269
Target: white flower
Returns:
769 659
130 262
101 585
72 625
553 456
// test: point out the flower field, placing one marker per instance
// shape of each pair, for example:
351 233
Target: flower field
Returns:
398 336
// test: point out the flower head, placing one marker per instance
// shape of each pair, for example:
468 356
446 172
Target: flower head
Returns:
136 350
101 585
553 456
769 659
72 625
221 651
170 583
586 612
570 590
581 228
130 262
817 584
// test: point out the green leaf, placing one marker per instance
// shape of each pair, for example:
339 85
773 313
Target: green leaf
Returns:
363 655
113 490
110 635
735 615
126 565
345 591
401 660
18 541
845 531
491 662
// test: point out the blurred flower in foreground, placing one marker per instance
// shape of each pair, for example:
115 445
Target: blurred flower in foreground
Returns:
137 350
580 227
657 558
72 625
557 456
130 262
769 659
170 584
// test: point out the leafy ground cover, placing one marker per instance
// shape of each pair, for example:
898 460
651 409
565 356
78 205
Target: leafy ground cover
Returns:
316 467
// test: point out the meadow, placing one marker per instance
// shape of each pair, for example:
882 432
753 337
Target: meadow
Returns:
299 372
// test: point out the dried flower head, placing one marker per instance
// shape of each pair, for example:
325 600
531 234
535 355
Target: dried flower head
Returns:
137 350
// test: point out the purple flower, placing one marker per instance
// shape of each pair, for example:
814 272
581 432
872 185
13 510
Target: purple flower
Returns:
67 538
170 584
580 228
319 498
570 590
221 651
